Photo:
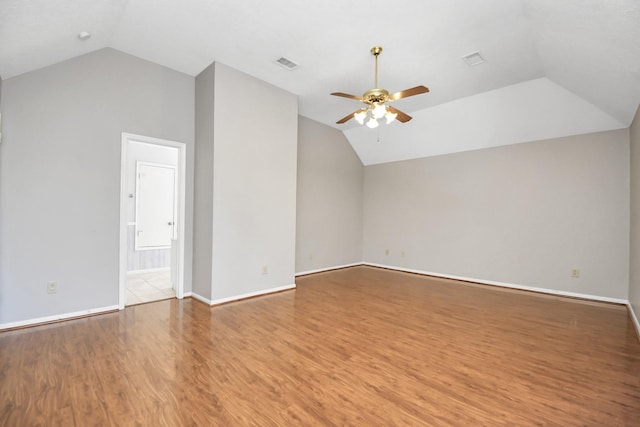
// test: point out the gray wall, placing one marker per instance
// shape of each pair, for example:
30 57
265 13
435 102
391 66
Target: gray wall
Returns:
254 185
60 175
329 200
634 279
249 161
524 214
203 188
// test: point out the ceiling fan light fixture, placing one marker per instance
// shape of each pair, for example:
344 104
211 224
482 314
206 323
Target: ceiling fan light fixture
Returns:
390 116
379 111
372 123
360 116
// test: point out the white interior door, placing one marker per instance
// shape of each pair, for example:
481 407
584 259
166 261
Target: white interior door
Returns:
155 205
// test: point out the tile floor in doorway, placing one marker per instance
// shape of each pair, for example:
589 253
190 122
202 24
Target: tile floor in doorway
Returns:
149 286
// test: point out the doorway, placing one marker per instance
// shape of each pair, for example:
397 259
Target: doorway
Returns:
152 212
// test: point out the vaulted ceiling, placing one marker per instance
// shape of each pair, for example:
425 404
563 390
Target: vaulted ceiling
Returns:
553 68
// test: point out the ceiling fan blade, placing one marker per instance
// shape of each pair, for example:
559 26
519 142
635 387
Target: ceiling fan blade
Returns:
402 117
346 95
347 117
408 92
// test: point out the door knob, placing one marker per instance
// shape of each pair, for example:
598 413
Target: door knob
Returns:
170 223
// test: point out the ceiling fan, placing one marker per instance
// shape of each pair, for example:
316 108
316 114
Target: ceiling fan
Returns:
376 100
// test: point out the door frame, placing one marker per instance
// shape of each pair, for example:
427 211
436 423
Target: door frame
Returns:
181 219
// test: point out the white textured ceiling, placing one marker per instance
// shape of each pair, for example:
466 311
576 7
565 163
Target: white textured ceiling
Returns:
590 48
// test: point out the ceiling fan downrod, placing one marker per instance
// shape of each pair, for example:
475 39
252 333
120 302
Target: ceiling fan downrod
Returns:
376 51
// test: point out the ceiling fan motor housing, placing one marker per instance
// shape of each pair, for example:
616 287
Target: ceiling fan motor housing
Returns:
375 96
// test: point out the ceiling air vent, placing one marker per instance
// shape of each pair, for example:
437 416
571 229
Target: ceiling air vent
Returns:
473 58
287 63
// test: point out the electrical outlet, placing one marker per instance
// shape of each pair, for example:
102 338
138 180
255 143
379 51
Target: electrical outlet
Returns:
265 269
575 273
52 287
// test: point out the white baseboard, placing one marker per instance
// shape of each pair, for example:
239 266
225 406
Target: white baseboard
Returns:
238 297
200 298
634 317
320 270
57 317
252 294
505 285
187 294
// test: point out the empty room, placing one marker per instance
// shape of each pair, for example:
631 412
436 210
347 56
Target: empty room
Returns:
332 213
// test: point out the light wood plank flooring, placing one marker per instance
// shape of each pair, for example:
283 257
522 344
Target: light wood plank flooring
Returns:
360 346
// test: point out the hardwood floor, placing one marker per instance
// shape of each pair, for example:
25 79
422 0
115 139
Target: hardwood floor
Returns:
360 346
